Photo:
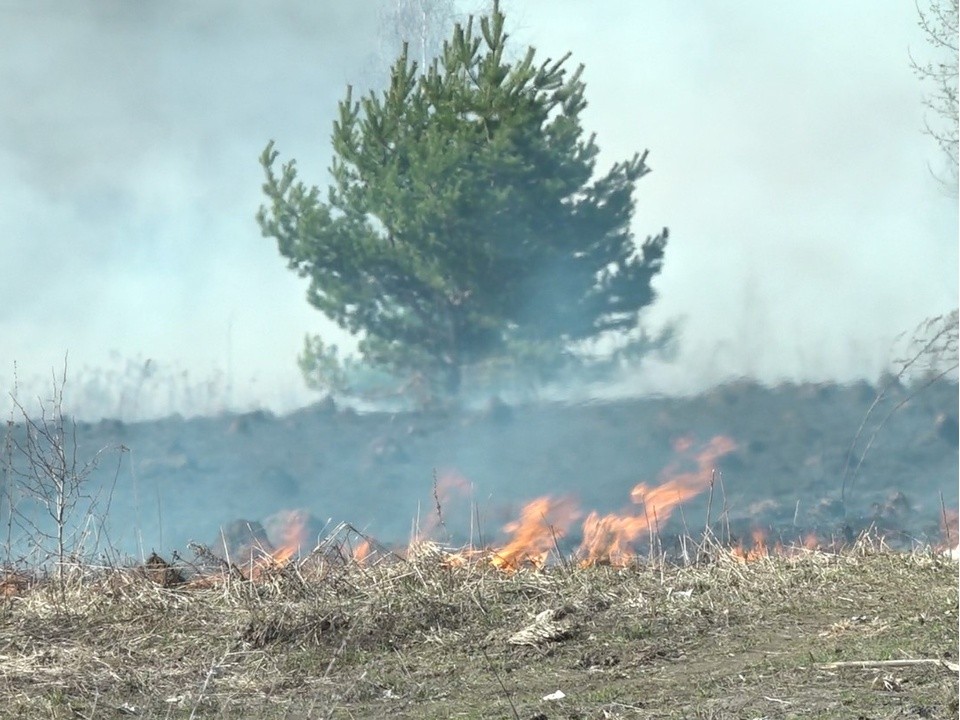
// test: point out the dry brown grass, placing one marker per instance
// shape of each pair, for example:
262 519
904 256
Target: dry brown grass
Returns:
428 637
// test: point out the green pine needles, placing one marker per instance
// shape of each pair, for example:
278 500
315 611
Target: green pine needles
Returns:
466 223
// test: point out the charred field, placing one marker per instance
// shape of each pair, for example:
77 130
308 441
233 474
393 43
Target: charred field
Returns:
786 461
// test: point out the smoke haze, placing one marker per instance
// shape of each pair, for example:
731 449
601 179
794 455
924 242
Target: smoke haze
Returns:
807 227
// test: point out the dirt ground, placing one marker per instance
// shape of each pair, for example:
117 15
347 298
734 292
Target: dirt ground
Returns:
417 638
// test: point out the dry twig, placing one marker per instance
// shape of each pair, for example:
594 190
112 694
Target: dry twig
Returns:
952 667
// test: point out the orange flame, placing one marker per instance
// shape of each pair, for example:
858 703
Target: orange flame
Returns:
542 522
362 551
608 540
758 550
294 534
761 547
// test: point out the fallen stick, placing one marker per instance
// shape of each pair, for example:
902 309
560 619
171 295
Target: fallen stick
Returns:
953 667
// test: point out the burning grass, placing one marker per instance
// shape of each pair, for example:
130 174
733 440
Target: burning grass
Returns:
440 634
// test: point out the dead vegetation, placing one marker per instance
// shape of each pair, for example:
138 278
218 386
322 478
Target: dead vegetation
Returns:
439 634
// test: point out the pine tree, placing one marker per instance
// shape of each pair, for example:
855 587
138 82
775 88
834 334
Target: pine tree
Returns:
465 222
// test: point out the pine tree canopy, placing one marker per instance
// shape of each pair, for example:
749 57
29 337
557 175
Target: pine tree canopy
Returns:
466 221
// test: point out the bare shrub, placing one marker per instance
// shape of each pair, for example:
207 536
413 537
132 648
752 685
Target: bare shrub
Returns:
42 471
938 19
930 355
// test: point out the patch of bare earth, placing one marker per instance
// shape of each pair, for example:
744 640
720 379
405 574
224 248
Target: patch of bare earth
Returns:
432 636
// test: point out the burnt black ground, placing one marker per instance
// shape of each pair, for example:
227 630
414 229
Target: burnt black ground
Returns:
181 480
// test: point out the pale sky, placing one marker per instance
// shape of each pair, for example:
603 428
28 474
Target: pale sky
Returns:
807 229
